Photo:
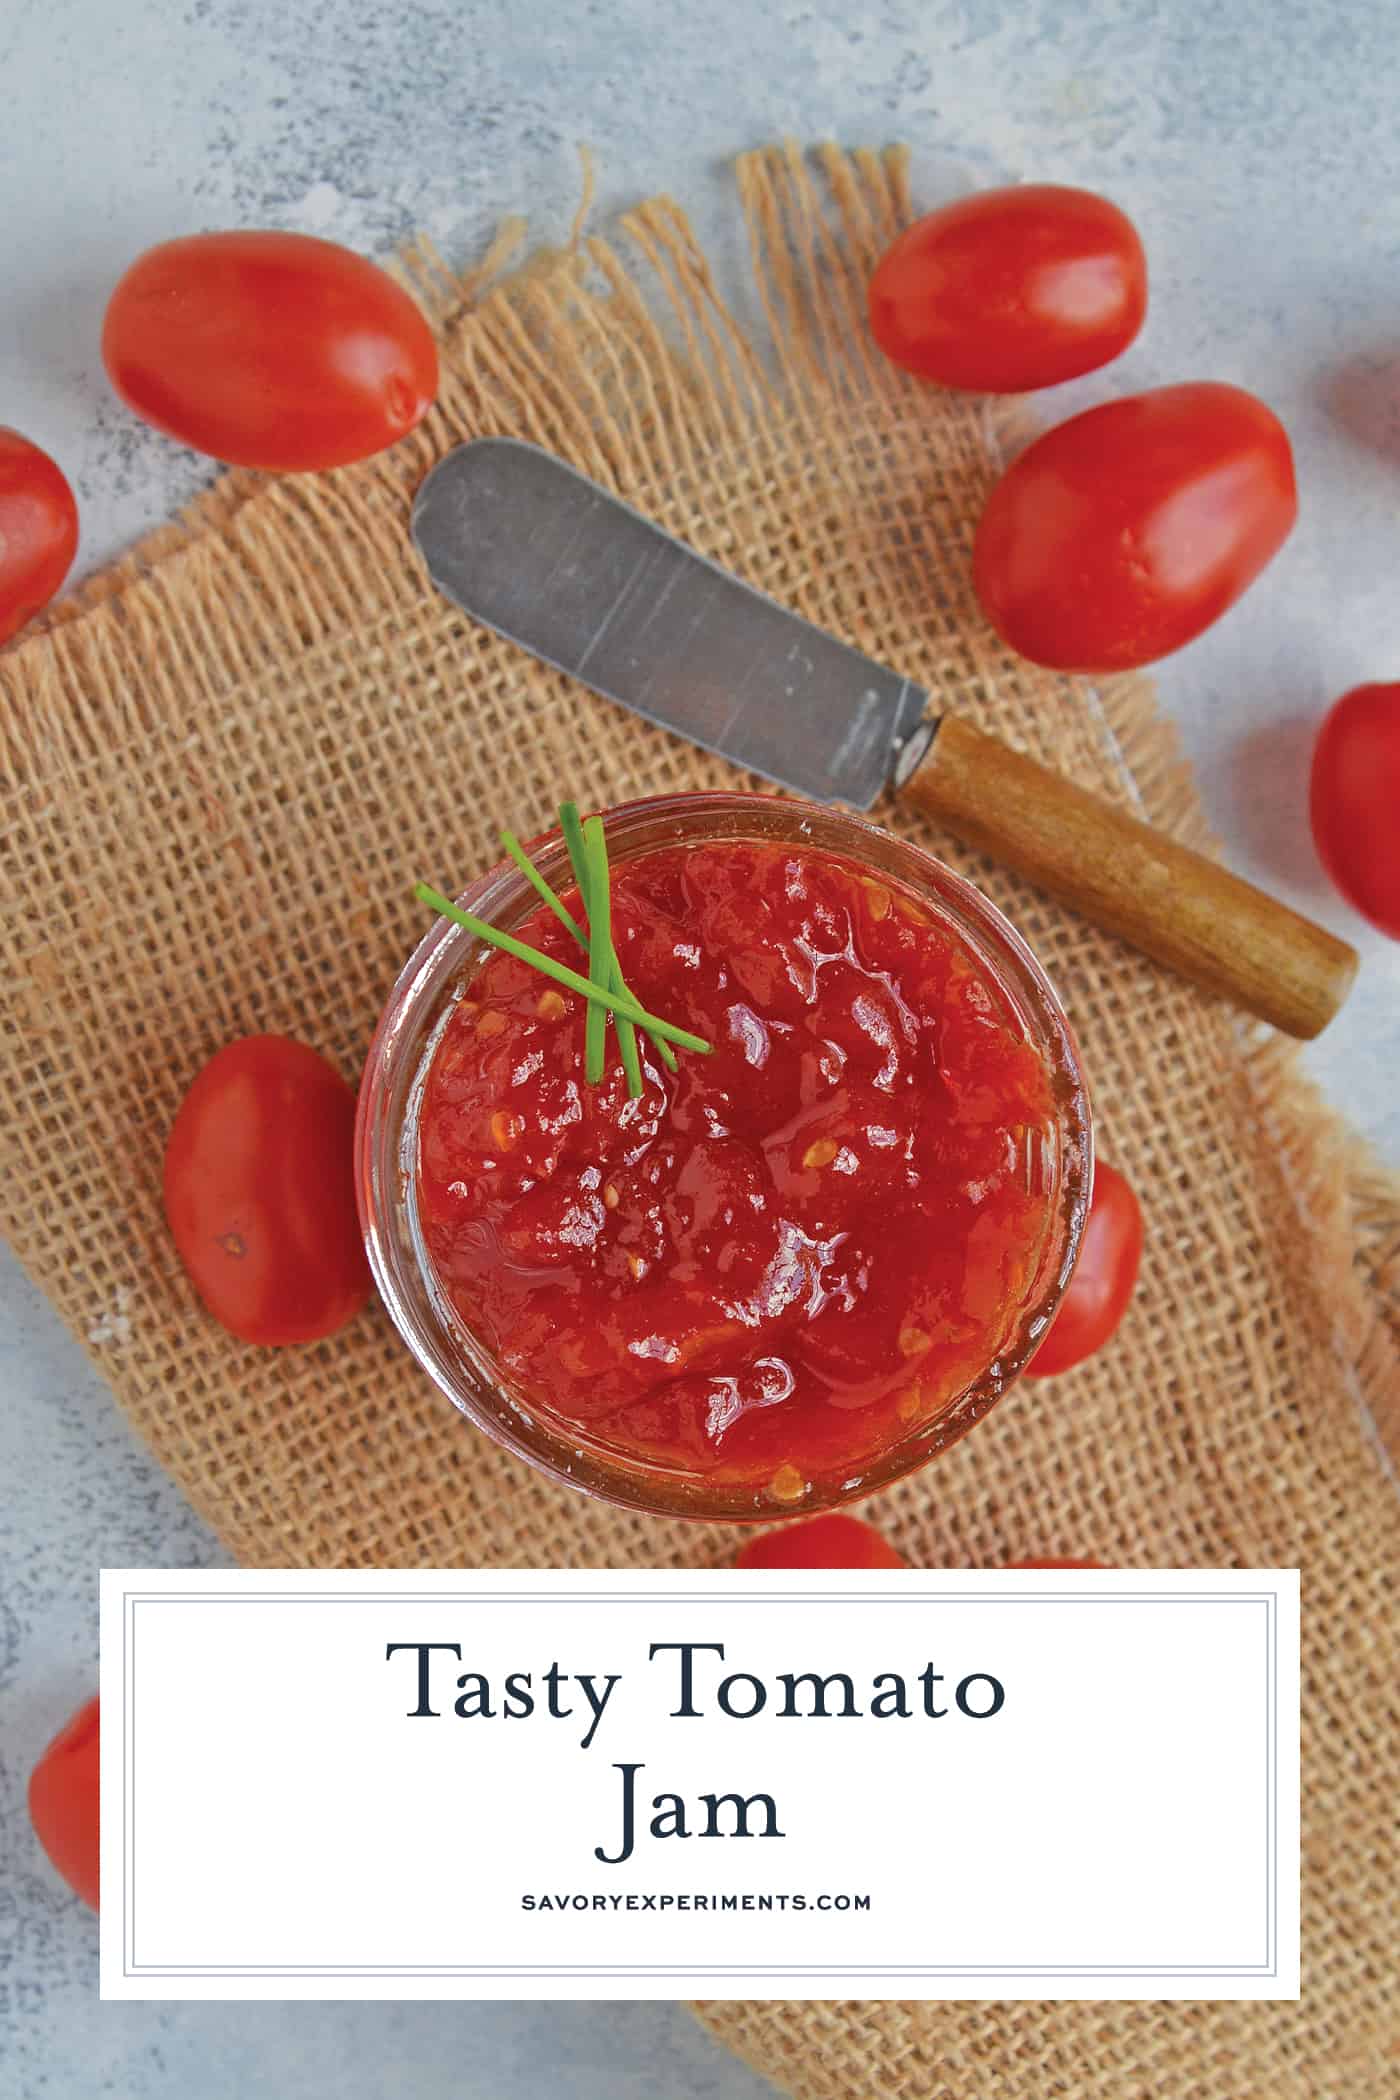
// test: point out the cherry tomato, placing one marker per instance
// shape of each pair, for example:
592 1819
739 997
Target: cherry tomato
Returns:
260 1193
1123 533
1054 1564
1103 1278
1011 289
1355 801
269 349
63 1801
38 530
832 1541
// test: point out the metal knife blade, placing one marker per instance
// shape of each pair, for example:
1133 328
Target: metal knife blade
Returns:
550 560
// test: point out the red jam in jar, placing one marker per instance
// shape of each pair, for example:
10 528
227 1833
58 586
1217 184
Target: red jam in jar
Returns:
785 1257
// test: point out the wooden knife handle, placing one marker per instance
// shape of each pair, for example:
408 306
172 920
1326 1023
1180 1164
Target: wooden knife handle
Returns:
1176 906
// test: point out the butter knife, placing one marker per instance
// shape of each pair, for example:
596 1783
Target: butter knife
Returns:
542 555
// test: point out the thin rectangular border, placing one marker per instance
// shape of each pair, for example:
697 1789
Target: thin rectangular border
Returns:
133 1971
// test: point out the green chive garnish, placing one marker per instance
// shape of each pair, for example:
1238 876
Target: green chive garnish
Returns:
606 970
572 830
612 1001
571 825
541 887
626 1038
600 957
602 963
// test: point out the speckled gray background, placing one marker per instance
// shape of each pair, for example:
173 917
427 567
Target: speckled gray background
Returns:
1257 147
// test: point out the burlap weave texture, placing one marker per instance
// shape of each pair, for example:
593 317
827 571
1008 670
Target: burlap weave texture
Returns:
222 768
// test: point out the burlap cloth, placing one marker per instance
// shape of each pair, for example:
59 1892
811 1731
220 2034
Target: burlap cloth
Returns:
225 762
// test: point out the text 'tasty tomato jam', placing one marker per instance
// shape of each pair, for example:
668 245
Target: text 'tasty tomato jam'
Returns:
794 1269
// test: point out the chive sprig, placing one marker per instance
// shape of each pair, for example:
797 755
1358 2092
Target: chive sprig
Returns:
572 830
603 988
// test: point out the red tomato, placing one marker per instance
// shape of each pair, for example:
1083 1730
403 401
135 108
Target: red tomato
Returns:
269 349
38 530
832 1541
1103 1278
1011 289
63 1801
1054 1564
1356 801
260 1192
1122 534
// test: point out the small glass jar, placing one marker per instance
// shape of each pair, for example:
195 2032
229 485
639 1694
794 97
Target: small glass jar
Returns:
387 1142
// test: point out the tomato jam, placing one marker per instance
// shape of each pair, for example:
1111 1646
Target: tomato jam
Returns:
788 1255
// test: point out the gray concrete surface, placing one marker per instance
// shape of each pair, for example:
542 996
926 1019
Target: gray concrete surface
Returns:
1257 148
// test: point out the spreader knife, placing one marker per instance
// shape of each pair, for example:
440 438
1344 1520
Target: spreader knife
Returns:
553 562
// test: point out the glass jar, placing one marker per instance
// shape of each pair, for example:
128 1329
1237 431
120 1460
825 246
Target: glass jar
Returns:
387 1141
